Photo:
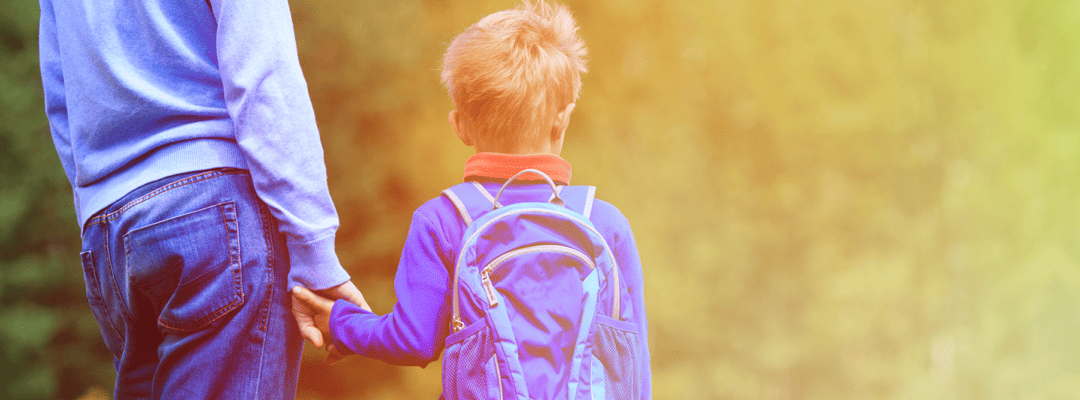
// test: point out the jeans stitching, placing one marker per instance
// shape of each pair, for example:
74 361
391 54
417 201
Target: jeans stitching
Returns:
268 231
168 187
205 320
269 302
112 277
234 264
238 273
144 282
96 285
267 371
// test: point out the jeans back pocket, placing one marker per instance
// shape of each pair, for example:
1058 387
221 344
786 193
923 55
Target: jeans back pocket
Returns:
188 266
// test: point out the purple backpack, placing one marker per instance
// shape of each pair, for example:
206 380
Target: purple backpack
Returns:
536 302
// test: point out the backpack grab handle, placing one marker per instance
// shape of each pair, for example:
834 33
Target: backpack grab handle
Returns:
554 200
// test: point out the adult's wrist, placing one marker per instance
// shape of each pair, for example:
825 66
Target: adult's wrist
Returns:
315 264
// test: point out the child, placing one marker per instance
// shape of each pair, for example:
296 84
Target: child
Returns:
514 77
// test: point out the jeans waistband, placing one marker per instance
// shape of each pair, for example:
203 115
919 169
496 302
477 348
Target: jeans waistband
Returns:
155 188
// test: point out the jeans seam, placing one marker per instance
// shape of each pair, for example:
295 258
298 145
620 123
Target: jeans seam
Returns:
270 250
263 325
235 263
238 276
112 277
102 306
161 190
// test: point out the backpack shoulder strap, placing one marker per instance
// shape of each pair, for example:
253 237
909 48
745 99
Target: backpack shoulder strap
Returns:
579 198
470 199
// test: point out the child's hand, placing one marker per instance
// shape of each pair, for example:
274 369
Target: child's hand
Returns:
313 315
333 355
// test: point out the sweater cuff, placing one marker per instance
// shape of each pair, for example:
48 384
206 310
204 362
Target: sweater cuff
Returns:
315 264
339 316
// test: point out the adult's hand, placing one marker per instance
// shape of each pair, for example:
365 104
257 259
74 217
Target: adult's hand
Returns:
305 314
346 291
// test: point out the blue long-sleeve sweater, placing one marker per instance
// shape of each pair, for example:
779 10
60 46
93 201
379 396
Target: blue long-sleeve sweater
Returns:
138 90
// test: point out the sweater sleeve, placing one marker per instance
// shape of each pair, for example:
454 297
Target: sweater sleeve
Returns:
620 237
274 123
52 81
626 255
413 333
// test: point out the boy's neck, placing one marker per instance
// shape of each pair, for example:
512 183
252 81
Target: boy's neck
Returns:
501 166
548 148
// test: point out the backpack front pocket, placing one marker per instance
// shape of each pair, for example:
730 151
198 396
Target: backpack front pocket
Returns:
470 370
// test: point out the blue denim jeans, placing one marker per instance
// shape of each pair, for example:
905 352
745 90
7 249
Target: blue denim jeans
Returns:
187 279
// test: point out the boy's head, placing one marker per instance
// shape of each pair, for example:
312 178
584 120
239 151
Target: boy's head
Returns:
514 77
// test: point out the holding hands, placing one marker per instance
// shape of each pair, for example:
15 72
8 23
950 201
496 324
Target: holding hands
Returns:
312 312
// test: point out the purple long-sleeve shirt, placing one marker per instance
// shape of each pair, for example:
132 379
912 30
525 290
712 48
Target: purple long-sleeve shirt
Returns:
138 90
415 331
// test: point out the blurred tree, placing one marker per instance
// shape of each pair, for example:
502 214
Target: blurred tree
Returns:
49 343
832 200
845 199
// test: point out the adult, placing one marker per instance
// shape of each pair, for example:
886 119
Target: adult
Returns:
188 136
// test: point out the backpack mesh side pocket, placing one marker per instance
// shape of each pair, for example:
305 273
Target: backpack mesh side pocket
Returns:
465 362
616 345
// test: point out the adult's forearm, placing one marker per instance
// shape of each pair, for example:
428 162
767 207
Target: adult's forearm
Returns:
274 123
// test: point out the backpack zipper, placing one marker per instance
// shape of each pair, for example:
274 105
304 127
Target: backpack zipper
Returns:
498 377
489 288
455 322
485 274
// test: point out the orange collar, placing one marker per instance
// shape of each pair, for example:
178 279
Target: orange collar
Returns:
503 166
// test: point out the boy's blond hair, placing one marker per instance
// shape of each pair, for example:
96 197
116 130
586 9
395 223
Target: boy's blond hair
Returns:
513 71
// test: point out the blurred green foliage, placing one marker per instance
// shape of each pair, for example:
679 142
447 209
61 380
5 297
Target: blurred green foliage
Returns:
846 199
49 342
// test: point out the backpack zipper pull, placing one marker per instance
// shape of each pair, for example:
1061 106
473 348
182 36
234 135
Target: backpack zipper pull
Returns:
489 288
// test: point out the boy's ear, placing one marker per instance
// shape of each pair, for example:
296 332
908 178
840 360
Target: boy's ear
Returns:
562 120
458 122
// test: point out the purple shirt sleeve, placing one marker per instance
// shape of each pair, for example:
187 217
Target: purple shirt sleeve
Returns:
413 333
626 254
267 99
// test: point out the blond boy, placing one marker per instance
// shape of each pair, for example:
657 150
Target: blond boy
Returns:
514 77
